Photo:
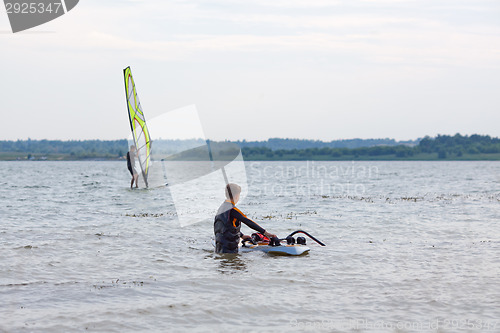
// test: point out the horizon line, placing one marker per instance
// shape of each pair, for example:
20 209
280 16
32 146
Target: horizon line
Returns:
259 140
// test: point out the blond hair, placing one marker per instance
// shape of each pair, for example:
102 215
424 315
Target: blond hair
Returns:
232 190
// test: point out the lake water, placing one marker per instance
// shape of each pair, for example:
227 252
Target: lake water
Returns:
411 246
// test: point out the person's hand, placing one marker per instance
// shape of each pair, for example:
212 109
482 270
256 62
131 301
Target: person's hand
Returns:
246 237
269 235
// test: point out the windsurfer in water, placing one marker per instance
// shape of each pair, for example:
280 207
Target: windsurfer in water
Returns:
228 222
131 155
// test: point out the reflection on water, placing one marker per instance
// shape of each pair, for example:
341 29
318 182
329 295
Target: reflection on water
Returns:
230 263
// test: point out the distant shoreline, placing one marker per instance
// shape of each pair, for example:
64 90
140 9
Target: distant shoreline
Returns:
441 148
388 158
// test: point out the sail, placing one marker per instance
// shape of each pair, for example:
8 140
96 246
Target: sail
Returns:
140 131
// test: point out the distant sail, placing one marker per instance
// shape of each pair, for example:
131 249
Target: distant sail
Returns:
138 126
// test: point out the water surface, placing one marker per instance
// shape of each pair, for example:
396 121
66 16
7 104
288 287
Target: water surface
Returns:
412 246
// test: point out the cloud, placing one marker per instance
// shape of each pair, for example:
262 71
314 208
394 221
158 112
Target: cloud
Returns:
175 29
400 36
292 53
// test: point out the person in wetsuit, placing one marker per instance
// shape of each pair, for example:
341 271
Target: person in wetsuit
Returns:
131 155
228 221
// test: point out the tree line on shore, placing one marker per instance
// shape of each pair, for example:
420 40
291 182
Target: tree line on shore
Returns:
441 147
288 144
72 149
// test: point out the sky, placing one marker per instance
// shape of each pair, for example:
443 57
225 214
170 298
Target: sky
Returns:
309 69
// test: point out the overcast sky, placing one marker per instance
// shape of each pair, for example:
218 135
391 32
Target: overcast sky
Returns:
313 69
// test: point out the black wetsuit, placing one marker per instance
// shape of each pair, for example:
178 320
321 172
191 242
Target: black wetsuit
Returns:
227 228
130 164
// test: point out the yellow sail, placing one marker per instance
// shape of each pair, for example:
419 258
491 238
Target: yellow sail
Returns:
138 126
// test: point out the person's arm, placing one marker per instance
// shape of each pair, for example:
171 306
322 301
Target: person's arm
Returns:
236 214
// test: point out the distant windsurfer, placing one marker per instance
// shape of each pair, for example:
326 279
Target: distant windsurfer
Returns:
228 222
131 155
